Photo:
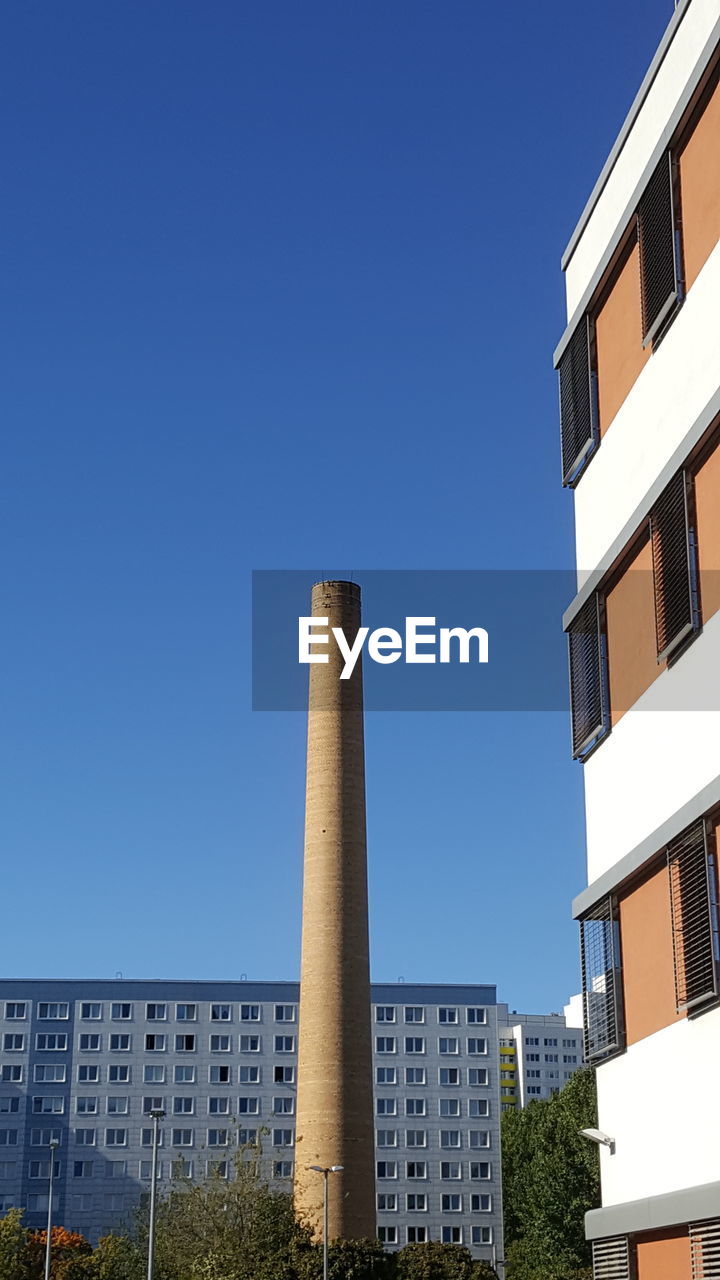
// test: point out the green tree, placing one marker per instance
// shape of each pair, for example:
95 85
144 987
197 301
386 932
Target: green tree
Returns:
118 1258
437 1261
550 1180
13 1238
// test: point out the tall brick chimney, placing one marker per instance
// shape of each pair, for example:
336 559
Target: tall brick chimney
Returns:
334 1096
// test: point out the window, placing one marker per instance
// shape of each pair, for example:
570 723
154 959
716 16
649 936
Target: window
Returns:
579 417
283 1137
588 677
117 1106
184 1044
281 1075
221 1044
415 1107
184 1074
8 1169
284 1012
156 1012
478 1016
154 1042
477 1076
220 1075
387 1169
602 986
478 1107
386 1137
86 1106
49 1105
385 1013
448 1044
569 1058
414 1013
387 1235
153 1074
82 1169
387 1202
50 1073
11 1073
532 1040
658 239
694 912
480 1170
385 1044
284 1044
476 1046
481 1235
247 1137
450 1138
450 1170
449 1106
451 1203
282 1169
416 1169
121 1012
481 1203
147 1135
89 1043
386 1075
116 1137
550 1043
9 1106
186 1012
414 1044
41 1169
551 1057
219 1106
416 1202
218 1137
533 1057
119 1042
14 1043
249 1012
451 1235
449 1075
447 1015
415 1075
479 1138
416 1235
8 1137
220 1013
15 1010
386 1106
116 1169
85 1137
249 1106
532 1088
415 1138
182 1168
183 1106
153 1102
570 1044
55 1011
248 1044
182 1137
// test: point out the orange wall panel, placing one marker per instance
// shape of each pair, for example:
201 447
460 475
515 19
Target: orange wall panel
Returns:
647 957
618 337
632 647
700 190
664 1257
707 509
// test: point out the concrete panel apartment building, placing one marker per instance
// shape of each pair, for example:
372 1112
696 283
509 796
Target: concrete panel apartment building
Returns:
85 1062
639 368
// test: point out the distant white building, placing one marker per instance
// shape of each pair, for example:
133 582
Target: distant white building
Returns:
539 1053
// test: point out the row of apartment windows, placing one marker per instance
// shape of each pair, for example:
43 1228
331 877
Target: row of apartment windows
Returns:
388 1234
550 1042
446 1016
154 1042
89 1073
651 607
124 1011
450 1170
446 1106
662 250
419 1202
680 894
417 1044
114 1137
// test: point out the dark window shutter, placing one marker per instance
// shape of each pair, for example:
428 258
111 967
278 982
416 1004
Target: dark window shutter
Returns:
659 250
588 677
611 1259
705 1249
674 575
694 906
578 403
601 979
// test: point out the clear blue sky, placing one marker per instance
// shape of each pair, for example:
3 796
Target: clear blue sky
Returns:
280 287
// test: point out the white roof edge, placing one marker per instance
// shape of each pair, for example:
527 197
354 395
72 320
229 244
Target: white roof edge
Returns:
681 9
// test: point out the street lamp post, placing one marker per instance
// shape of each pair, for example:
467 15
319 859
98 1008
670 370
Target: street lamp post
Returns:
53 1149
157 1116
333 1168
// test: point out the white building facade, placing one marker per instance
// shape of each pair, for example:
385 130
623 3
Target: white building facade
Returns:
539 1053
639 368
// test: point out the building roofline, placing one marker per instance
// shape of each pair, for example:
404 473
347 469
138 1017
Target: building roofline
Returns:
650 76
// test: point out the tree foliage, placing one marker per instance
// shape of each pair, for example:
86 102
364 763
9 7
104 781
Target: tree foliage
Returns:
550 1179
12 1244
